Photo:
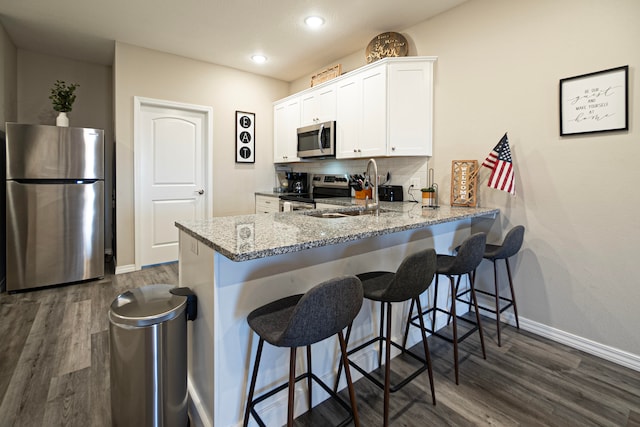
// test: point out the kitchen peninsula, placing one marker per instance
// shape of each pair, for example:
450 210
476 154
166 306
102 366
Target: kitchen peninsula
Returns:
235 264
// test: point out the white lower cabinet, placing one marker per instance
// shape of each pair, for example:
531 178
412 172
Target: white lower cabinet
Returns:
267 204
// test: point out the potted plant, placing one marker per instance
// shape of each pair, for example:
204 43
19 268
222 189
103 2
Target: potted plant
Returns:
62 97
428 196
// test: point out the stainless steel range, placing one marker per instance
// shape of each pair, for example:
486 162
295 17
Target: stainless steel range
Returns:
323 186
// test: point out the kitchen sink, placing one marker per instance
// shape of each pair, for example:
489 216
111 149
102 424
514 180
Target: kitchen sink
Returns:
345 213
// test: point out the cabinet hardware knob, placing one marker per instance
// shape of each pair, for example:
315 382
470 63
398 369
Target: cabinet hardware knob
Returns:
201 191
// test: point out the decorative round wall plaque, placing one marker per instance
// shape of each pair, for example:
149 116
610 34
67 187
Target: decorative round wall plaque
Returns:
386 45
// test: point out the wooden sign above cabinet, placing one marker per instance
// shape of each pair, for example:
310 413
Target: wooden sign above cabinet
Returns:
386 45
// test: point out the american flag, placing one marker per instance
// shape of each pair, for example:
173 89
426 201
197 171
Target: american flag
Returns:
499 161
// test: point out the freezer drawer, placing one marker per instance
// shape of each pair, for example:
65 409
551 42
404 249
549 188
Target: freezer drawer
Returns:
55 233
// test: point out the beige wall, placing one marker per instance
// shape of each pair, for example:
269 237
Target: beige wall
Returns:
499 63
93 107
153 74
8 79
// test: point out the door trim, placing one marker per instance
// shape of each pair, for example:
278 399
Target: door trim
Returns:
140 102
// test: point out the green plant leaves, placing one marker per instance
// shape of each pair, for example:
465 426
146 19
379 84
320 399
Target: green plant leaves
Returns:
63 96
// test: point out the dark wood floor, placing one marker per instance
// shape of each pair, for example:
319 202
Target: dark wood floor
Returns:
54 371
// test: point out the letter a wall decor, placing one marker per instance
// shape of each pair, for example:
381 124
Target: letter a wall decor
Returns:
245 137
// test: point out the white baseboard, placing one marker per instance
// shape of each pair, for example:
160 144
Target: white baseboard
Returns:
125 269
612 354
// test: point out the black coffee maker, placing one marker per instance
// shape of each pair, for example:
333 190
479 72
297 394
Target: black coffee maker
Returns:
298 182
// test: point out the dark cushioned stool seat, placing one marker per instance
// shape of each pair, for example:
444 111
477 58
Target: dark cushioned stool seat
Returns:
302 320
413 277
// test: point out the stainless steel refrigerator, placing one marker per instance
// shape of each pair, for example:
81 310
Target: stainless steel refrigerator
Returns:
54 205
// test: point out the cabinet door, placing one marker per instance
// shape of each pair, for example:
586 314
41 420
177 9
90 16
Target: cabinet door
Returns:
286 120
410 108
318 105
373 136
348 117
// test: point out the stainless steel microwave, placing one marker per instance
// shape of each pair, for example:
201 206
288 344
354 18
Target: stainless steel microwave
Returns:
317 140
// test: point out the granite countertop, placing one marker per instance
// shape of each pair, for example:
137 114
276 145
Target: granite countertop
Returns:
246 237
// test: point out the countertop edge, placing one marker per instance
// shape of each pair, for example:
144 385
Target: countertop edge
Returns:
233 256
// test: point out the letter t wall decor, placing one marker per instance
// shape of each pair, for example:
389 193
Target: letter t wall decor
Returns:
245 137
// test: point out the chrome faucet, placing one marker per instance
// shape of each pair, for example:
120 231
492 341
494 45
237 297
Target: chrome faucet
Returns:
374 192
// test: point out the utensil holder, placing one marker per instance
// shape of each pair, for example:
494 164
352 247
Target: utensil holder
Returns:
362 194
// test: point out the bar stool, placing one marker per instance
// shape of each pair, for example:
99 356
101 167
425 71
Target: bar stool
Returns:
302 320
466 261
413 277
510 246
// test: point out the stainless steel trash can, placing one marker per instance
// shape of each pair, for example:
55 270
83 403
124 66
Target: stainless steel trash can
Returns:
148 345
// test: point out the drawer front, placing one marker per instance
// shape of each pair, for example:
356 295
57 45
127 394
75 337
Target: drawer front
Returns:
266 204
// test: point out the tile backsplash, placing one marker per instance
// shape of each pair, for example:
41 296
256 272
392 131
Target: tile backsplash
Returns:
403 170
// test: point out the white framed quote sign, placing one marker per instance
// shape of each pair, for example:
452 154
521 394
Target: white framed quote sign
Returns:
595 102
245 137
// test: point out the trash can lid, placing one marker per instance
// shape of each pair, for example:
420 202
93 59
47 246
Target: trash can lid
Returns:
147 305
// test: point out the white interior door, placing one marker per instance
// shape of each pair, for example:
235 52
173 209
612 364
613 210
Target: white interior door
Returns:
171 148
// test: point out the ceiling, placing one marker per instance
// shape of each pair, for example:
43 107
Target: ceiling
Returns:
222 32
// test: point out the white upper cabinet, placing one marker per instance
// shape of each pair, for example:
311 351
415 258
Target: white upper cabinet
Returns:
410 108
286 121
382 109
361 115
386 109
318 105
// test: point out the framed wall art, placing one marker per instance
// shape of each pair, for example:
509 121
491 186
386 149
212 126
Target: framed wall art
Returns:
245 137
595 102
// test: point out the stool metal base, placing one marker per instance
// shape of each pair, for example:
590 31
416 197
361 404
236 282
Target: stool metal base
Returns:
452 316
309 376
386 339
511 302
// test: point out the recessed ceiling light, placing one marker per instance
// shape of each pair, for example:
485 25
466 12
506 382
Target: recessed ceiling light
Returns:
259 59
314 21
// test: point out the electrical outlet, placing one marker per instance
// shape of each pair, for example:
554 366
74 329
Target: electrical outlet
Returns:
416 183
